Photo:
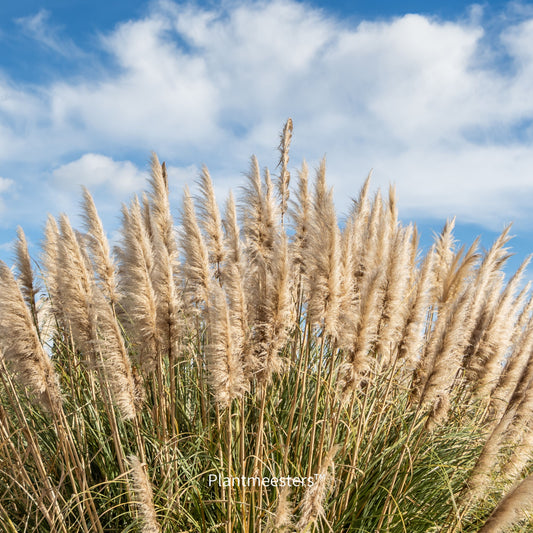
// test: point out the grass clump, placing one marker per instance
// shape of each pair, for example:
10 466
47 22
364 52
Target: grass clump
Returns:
263 369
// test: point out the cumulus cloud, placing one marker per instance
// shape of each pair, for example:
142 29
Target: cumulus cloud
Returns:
428 103
96 170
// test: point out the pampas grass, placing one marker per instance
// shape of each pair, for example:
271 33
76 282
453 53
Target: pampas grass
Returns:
263 342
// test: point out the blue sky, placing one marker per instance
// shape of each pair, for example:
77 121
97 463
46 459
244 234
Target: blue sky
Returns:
435 98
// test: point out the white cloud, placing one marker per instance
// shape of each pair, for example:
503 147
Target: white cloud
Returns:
7 246
38 27
96 170
5 184
425 102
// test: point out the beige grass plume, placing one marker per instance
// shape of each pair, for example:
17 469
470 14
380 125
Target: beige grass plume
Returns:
147 216
98 245
367 233
168 299
49 259
488 360
522 344
144 496
92 321
211 222
282 519
508 430
160 206
138 297
444 249
301 216
284 176
360 214
443 351
518 434
348 295
446 361
262 246
486 279
312 504
386 230
358 360
393 315
196 264
20 345
233 279
322 259
479 480
412 338
272 284
512 508
234 268
224 362
159 226
76 291
162 264
522 452
28 286
114 360
259 215
279 312
372 232
52 305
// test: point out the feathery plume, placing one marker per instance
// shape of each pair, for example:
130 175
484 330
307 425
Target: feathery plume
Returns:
233 271
322 260
92 321
259 219
312 504
360 215
479 480
210 221
160 206
512 508
196 265
301 216
446 361
347 289
279 312
20 345
515 366
358 362
521 454
147 216
224 363
103 263
74 284
264 247
49 254
138 296
396 285
282 519
28 287
233 277
442 355
486 276
412 339
284 176
489 358
167 298
143 491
